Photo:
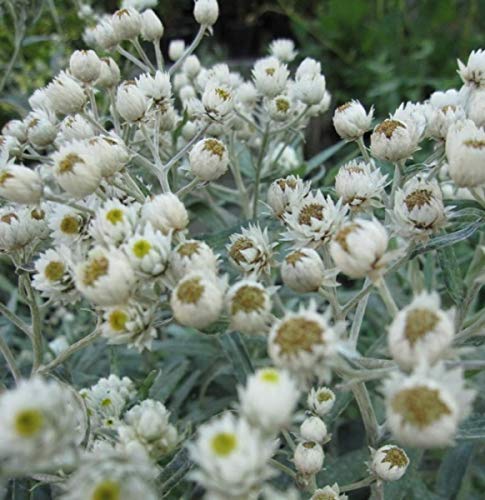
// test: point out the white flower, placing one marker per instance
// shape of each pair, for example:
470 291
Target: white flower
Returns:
76 169
269 399
283 49
420 331
106 277
20 184
209 159
110 152
394 140
389 462
192 255
418 208
176 49
313 429
304 343
41 128
310 89
66 225
85 65
359 248
249 307
148 424
445 108
308 458
197 300
329 493
465 150
75 128
308 67
247 95
280 108
270 76
321 400
39 101
126 23
476 108
151 27
37 426
206 12
473 74
20 226
166 213
105 35
360 185
217 101
17 129
424 409
232 458
65 95
303 270
414 115
281 191
313 220
250 250
130 324
131 102
351 121
157 87
109 74
192 67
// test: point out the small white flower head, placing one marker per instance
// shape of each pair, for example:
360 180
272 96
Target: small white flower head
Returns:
283 49
114 222
217 101
247 95
209 159
308 67
282 191
106 277
280 108
303 271
192 255
105 35
191 67
176 49
419 210
313 429
156 87
250 251
321 400
17 129
445 108
130 324
65 95
313 220
414 115
206 12
21 226
20 184
269 399
198 299
359 248
304 343
421 331
37 425
352 121
310 89
110 152
231 457
67 225
85 65
473 73
148 424
465 150
389 463
166 213
249 307
329 493
126 23
270 76
308 458
394 140
424 409
476 108
75 128
151 27
41 128
131 102
109 73
148 251
76 170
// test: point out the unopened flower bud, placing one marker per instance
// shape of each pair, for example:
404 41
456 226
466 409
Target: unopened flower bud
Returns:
321 400
109 75
302 270
313 429
308 458
206 12
20 184
127 23
176 49
131 102
209 159
389 463
351 120
85 65
151 28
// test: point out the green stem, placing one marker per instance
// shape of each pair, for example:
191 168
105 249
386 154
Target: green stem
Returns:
357 485
10 360
258 169
387 297
282 468
363 149
13 318
36 323
369 419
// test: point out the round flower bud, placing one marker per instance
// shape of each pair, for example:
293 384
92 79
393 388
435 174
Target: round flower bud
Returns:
17 129
310 89
321 400
394 140
20 226
192 255
131 102
110 152
85 65
283 49
65 95
282 191
191 66
444 109
313 429
75 128
166 213
197 300
20 184
105 36
41 128
270 76
109 74
351 121
359 248
249 307
389 463
329 493
308 458
476 108
473 73
151 26
206 12
126 23
308 67
176 49
302 270
209 159
280 108
217 101
269 399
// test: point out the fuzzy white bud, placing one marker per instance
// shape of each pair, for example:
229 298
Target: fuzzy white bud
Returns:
209 159
313 429
126 23
206 12
308 458
151 28
85 65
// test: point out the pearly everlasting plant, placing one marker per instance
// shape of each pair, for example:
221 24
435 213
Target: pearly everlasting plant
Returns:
179 279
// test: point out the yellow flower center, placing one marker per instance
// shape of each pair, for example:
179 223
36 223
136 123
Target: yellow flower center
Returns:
215 147
115 215
28 422
70 225
475 144
419 322
37 214
286 183
224 444
396 457
309 212
190 291
282 105
270 375
324 395
8 218
54 271
106 402
117 320
345 106
387 127
68 163
298 334
223 94
248 299
94 270
107 490
270 71
141 248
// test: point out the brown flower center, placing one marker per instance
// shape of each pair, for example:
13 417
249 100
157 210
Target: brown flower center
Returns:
387 127
94 270
70 225
5 176
215 147
68 163
190 291
238 247
475 143
419 322
343 107
341 236
188 249
293 258
309 212
418 198
396 457
298 334
248 299
282 105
